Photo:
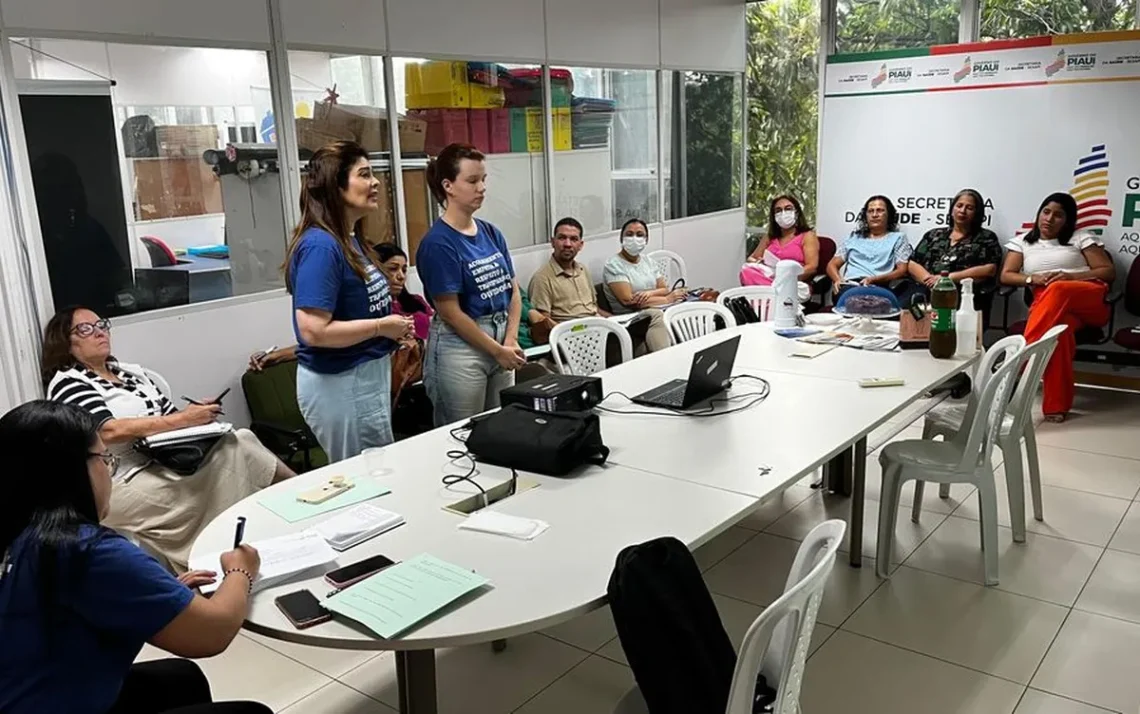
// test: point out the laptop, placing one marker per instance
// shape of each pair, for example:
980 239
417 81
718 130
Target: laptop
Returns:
708 377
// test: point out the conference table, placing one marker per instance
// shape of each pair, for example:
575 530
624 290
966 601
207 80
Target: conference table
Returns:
690 477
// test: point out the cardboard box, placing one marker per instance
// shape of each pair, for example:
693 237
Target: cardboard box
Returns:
186 140
437 85
487 97
500 130
368 126
312 136
378 227
175 187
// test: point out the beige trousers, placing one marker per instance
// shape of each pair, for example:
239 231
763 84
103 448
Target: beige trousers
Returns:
164 512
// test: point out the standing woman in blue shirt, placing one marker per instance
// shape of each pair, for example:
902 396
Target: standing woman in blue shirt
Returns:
465 267
77 600
342 311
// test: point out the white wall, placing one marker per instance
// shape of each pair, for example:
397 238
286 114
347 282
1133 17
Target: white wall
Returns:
490 29
712 246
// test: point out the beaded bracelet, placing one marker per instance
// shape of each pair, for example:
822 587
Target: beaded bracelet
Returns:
243 571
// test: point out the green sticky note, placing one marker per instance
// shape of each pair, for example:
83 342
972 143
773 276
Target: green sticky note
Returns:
285 504
397 598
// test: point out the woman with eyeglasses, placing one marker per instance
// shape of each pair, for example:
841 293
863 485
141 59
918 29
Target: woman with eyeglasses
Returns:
161 510
875 253
78 601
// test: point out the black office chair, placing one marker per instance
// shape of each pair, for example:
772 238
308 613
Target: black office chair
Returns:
161 256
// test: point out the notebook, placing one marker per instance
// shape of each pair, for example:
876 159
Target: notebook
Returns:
282 559
357 525
190 433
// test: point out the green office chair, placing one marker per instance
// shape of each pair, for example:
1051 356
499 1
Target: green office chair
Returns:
276 417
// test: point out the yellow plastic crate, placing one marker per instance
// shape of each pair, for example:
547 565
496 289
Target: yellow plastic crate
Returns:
437 85
487 97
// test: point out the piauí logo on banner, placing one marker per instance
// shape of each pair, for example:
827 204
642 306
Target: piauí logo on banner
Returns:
1056 65
1090 189
964 71
880 77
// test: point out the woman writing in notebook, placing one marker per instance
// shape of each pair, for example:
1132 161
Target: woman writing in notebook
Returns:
77 600
161 510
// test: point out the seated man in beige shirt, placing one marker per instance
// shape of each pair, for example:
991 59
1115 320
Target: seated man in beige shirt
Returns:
562 289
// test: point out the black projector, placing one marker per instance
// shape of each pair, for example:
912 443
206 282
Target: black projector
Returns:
556 393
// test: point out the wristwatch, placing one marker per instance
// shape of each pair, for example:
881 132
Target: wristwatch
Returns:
1029 279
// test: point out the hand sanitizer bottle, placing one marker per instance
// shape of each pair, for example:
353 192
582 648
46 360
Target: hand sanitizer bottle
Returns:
966 321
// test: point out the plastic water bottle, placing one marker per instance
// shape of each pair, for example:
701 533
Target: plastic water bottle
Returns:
786 287
966 321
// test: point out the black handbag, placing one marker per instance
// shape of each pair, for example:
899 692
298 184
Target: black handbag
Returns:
551 443
742 310
183 458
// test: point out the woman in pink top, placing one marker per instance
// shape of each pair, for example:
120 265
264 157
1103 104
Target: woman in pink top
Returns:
394 263
789 238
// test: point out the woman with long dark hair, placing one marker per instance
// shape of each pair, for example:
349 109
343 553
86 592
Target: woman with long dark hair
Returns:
342 308
394 265
78 601
963 247
789 238
161 510
465 266
1069 273
875 253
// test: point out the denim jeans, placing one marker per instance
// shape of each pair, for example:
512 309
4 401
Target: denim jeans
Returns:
350 411
462 380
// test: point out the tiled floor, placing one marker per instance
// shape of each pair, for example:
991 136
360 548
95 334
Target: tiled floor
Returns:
1059 635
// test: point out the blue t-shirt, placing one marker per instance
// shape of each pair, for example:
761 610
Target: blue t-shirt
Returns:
72 653
867 257
476 268
323 279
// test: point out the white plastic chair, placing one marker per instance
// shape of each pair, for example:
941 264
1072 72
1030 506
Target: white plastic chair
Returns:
691 320
579 346
776 644
671 265
966 458
761 297
946 419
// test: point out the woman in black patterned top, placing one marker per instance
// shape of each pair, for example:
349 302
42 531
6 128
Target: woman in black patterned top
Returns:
161 510
962 247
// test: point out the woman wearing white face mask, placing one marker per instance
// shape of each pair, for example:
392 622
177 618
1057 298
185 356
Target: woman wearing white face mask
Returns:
789 238
632 283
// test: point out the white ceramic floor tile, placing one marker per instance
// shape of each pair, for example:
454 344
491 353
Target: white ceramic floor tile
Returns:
1046 568
336 698
1114 588
330 662
718 548
821 507
1072 515
247 670
1093 660
1090 472
1102 422
758 571
1127 536
1037 702
504 681
981 628
854 675
588 632
931 503
593 687
775 507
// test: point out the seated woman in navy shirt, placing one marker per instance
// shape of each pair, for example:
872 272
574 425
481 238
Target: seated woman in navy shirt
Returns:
77 600
342 310
465 267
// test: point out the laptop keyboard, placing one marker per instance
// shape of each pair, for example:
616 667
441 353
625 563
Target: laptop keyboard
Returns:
670 396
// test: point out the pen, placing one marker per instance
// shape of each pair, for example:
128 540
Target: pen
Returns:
195 402
239 532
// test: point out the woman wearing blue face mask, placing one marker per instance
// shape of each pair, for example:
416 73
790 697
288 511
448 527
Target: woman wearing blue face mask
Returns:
632 283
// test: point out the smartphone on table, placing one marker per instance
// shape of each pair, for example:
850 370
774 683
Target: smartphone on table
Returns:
303 609
343 577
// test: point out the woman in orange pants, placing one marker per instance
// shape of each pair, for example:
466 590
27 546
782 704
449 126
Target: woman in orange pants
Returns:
1069 273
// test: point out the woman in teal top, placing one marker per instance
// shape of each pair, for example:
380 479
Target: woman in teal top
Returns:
875 253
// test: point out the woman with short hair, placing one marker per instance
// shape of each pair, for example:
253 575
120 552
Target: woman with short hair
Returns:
1069 273
78 601
162 510
465 266
875 253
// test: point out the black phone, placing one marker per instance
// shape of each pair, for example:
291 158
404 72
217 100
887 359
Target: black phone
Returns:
222 396
303 609
349 574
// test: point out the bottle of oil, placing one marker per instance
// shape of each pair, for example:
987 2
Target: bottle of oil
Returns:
943 301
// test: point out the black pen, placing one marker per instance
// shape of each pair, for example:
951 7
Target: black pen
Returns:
195 402
239 532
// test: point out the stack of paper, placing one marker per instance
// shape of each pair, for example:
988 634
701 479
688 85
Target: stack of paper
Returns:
282 559
357 525
505 525
399 597
190 433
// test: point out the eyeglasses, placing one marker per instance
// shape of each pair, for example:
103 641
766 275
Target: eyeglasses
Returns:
86 329
111 460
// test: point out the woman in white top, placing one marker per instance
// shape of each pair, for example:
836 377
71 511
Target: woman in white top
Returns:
631 282
1069 273
156 507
